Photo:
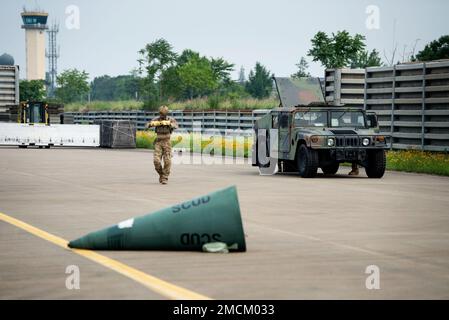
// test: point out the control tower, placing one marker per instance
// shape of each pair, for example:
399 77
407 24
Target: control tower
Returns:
35 25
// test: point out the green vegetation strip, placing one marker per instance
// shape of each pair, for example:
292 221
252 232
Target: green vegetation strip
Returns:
103 106
212 103
229 146
419 162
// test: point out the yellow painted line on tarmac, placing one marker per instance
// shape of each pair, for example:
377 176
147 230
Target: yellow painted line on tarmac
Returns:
162 287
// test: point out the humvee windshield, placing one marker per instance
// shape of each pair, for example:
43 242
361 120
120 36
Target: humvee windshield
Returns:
347 119
311 119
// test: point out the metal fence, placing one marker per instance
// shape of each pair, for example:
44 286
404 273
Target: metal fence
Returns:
411 100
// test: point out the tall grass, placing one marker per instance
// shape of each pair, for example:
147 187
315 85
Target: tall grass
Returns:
218 103
145 139
213 102
419 162
103 106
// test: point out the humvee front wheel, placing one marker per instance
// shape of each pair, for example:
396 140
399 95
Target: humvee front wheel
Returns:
307 161
376 163
331 169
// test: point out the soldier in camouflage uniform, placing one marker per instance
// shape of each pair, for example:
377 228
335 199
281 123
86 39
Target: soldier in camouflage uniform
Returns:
164 126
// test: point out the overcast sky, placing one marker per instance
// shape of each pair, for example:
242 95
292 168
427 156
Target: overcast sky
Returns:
275 32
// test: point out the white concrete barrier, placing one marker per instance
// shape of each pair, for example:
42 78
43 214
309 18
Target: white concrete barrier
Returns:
69 135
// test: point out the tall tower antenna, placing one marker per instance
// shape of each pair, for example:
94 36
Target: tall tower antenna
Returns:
52 54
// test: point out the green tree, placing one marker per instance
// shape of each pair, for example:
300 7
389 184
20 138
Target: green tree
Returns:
186 55
235 91
221 69
172 84
171 81
184 76
366 59
32 90
302 72
106 88
127 86
101 88
259 83
179 85
437 49
197 77
338 50
72 85
155 58
222 72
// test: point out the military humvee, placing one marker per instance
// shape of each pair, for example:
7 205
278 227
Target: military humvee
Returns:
305 134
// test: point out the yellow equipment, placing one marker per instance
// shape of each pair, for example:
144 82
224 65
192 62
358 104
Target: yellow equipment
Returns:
160 123
33 112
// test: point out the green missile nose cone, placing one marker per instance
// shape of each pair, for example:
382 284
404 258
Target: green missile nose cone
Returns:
214 217
76 244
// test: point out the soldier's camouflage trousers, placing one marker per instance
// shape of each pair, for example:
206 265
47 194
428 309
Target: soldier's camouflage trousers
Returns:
162 151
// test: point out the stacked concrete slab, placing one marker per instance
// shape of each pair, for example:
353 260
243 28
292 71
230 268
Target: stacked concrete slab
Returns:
54 112
411 100
345 87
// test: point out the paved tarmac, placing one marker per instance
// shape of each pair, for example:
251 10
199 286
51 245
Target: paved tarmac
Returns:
306 238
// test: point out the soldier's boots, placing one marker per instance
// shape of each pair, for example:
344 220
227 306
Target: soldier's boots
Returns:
163 180
354 171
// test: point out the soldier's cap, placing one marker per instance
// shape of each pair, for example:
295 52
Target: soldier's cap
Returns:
163 110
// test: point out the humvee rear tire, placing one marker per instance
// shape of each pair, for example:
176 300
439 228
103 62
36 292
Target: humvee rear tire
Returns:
331 169
376 163
307 162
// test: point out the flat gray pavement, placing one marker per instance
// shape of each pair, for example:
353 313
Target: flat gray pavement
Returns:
306 238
